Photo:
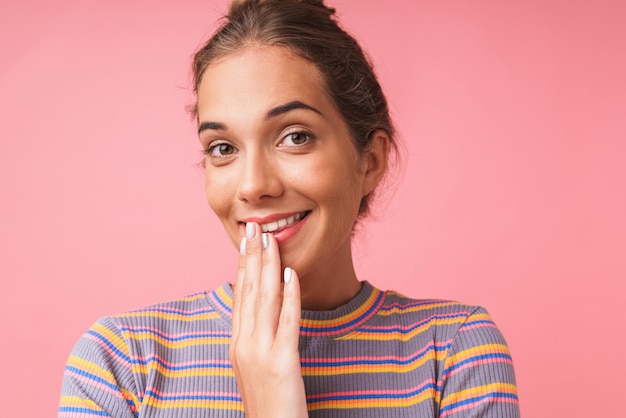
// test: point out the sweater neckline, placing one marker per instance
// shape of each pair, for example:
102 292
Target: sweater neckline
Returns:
316 324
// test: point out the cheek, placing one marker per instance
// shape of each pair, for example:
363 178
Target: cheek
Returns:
333 183
219 192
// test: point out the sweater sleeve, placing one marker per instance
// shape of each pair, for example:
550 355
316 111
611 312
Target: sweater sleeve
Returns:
478 378
98 379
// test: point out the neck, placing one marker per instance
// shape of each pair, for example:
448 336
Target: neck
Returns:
332 285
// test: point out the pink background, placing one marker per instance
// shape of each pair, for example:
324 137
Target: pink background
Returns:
513 116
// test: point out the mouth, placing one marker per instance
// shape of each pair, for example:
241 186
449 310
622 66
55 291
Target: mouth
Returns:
280 224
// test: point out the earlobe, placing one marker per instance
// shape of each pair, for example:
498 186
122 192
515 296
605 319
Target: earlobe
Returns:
375 160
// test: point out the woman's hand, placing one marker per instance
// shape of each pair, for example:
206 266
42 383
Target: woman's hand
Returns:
266 325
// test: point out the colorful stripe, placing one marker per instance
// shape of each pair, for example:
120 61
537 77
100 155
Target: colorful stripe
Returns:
380 355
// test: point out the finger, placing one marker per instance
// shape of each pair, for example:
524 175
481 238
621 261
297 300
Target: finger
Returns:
251 281
289 321
241 270
269 297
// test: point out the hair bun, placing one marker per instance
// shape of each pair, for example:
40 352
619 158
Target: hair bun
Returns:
237 7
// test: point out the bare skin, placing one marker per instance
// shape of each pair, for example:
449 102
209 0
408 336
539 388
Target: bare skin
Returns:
278 151
266 325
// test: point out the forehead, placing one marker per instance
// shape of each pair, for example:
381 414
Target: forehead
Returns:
259 77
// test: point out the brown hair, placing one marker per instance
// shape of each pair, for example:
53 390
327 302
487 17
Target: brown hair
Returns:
308 29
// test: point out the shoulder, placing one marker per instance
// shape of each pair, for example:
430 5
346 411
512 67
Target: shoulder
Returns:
431 311
191 316
432 319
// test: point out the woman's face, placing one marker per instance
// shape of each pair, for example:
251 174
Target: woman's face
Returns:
279 153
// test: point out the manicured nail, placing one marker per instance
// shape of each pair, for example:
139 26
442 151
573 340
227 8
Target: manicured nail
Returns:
242 246
287 275
250 230
265 240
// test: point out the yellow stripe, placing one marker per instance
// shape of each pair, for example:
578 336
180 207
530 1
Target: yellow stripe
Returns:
372 368
77 401
474 351
191 403
398 336
181 374
323 323
191 342
111 337
373 403
477 392
172 316
192 298
91 368
403 310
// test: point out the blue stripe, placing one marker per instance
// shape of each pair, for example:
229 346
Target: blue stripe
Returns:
108 344
374 395
171 311
381 361
181 338
476 358
190 366
192 397
92 377
482 321
347 324
413 327
221 302
397 305
83 411
480 398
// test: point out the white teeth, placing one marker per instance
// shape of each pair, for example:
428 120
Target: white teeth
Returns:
281 223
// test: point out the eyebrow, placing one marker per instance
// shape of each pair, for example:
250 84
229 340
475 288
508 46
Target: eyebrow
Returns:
279 110
211 125
272 113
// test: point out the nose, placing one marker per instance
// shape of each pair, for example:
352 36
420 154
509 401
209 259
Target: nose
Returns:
260 178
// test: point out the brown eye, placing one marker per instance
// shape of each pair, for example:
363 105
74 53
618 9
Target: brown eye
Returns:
225 149
297 138
220 149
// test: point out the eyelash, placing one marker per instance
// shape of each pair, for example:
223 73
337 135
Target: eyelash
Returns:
309 137
215 145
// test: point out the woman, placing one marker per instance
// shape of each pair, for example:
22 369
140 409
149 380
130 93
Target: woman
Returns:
296 135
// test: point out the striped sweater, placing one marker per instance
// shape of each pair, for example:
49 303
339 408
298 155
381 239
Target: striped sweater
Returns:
380 355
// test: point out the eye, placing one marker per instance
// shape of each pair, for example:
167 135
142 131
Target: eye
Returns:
296 139
220 149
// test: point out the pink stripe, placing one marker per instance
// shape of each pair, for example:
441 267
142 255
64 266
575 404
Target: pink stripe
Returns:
374 392
168 335
156 357
91 382
474 404
477 363
166 310
424 322
470 327
421 302
158 392
106 348
369 358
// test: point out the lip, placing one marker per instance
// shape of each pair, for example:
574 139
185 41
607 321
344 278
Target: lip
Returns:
282 234
271 218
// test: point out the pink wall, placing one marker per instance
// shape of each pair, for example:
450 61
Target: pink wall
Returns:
513 116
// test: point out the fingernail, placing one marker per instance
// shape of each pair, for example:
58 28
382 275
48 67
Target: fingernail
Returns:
287 275
242 246
250 230
265 240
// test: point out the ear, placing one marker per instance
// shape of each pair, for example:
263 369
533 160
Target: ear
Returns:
374 160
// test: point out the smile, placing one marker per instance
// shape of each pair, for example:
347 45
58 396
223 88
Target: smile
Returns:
281 223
